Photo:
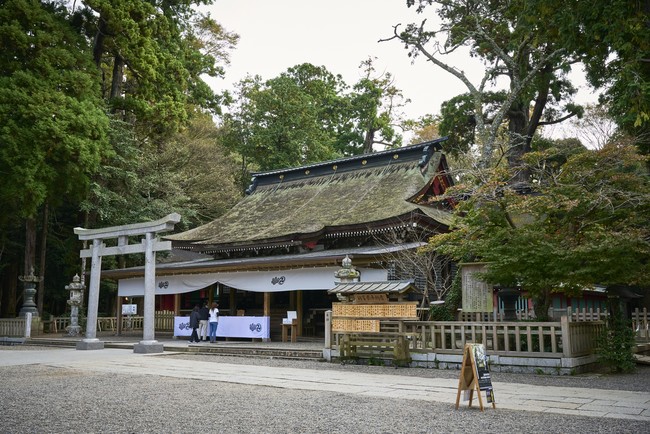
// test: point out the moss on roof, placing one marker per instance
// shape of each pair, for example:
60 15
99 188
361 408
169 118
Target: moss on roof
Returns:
310 206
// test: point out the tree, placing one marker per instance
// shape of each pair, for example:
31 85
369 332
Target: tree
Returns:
424 129
430 270
585 222
513 46
614 44
290 120
376 104
153 56
54 126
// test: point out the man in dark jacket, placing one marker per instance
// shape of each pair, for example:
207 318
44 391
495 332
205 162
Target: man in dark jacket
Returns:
204 314
194 323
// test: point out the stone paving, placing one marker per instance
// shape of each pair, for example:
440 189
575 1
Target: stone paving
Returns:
617 404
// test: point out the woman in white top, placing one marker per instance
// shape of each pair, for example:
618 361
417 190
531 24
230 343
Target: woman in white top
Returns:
213 321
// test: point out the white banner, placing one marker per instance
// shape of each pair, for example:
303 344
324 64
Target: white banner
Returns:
230 326
306 279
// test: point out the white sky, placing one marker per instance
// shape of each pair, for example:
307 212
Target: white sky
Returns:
337 34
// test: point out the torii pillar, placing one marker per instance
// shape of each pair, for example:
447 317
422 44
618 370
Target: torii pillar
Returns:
149 246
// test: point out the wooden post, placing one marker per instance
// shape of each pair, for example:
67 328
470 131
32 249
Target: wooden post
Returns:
233 301
177 304
267 304
299 310
566 335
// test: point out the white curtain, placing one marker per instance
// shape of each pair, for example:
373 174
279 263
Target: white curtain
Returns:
306 279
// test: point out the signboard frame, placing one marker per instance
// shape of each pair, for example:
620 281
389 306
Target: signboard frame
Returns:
475 376
477 295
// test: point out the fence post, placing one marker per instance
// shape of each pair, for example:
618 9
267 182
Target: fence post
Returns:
28 325
566 334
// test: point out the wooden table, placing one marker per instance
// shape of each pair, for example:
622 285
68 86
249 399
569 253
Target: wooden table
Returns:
294 330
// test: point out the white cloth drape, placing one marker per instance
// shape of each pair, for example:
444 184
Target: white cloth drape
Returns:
306 279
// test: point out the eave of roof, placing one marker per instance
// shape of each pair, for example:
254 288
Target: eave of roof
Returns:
362 256
387 287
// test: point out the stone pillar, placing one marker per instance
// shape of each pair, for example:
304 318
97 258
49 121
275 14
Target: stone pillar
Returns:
148 344
90 342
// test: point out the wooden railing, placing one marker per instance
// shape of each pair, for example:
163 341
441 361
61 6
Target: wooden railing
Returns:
584 314
641 323
164 321
574 314
524 339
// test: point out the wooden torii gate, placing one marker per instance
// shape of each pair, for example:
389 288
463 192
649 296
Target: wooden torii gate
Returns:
149 246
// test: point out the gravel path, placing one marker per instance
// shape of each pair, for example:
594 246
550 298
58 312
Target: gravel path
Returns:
38 399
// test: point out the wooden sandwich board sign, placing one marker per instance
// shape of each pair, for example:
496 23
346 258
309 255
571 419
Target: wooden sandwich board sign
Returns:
475 376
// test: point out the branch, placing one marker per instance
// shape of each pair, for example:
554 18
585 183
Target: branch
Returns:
557 121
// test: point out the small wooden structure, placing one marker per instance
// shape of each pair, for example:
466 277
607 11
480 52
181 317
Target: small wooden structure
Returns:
356 319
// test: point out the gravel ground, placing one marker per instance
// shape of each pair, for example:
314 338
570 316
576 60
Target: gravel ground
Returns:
40 399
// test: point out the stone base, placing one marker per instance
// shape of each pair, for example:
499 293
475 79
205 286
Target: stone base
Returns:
90 344
148 348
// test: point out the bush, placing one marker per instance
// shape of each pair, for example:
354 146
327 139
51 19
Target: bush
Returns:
615 346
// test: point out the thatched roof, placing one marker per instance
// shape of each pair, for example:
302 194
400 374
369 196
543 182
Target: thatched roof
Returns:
339 196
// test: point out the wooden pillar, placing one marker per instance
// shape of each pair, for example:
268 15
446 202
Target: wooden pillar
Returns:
298 309
233 301
267 304
177 304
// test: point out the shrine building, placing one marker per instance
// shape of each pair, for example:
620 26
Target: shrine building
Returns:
278 249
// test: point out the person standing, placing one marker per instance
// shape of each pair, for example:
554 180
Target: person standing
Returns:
203 322
194 323
214 321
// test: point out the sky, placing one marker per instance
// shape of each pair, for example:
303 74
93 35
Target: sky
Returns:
338 34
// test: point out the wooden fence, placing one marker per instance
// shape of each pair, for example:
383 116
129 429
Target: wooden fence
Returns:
573 314
164 321
518 339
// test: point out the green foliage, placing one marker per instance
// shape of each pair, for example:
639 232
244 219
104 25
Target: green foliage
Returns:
53 126
513 45
307 115
615 346
584 223
153 57
453 301
188 173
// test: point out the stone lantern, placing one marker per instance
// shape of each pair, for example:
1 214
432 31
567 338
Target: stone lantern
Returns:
76 289
29 306
347 274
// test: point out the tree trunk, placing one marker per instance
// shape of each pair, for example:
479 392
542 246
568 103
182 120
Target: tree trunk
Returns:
118 77
518 143
30 246
368 141
40 295
9 285
542 302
